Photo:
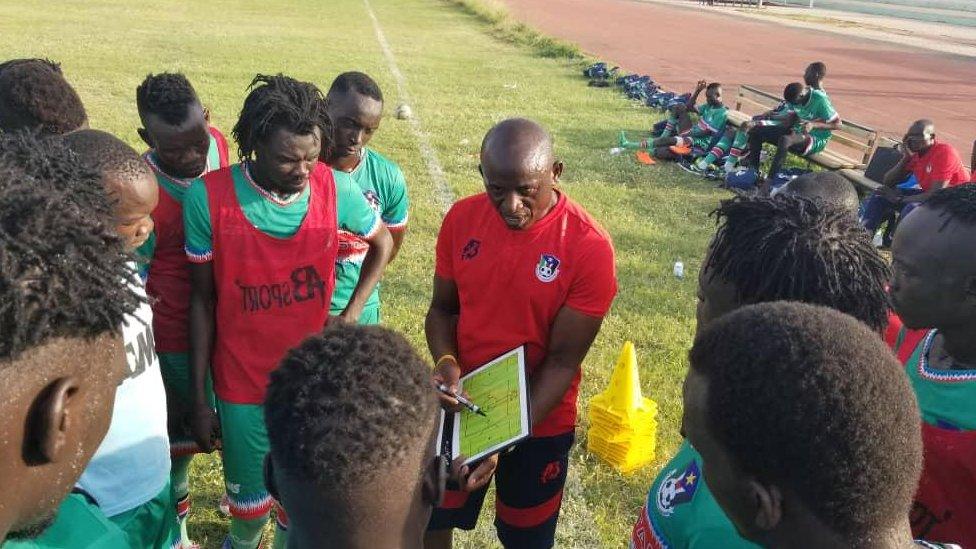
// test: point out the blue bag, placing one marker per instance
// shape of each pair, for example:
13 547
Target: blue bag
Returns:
743 179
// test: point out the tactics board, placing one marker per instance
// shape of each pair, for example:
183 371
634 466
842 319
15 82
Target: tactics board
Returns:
500 389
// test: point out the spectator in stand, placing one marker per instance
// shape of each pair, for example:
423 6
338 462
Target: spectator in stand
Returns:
933 163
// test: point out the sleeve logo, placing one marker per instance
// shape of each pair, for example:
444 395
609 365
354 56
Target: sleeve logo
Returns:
677 488
470 250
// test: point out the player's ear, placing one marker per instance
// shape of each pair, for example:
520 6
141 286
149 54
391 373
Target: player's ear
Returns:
768 505
144 135
435 480
557 171
51 418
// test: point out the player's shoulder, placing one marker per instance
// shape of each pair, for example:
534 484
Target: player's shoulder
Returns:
217 134
585 225
216 177
473 204
383 164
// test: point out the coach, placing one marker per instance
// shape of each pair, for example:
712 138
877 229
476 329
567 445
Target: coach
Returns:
518 264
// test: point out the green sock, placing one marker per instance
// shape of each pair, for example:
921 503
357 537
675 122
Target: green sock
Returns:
623 143
180 482
670 127
246 534
718 150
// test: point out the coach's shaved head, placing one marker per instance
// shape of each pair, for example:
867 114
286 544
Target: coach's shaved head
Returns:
519 171
920 136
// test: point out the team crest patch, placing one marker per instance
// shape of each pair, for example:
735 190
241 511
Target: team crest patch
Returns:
678 488
548 268
373 199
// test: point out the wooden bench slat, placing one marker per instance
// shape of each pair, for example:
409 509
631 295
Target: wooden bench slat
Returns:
842 137
736 118
833 161
851 134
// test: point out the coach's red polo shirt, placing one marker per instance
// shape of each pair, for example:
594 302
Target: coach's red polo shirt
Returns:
512 283
940 163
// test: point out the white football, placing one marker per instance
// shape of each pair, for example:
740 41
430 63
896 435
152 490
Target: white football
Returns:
403 112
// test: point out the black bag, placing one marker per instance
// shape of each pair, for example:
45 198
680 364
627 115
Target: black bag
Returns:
883 159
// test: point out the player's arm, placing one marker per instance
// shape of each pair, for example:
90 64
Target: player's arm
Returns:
199 250
901 170
570 338
832 125
922 197
826 117
357 217
201 350
440 327
692 101
397 236
380 248
396 212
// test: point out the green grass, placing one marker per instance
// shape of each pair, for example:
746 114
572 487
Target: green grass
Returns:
463 76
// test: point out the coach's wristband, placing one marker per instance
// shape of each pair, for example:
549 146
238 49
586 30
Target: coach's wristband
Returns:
445 357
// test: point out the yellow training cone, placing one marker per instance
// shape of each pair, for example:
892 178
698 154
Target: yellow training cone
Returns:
624 393
623 427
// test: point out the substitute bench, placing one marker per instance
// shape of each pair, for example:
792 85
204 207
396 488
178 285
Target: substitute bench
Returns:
850 147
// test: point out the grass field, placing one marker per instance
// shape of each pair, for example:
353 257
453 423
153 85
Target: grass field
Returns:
462 78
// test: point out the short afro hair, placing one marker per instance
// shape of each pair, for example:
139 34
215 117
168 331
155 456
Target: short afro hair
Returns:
348 404
108 155
167 95
792 92
62 266
713 86
280 102
821 406
793 248
956 203
819 67
34 95
358 82
827 186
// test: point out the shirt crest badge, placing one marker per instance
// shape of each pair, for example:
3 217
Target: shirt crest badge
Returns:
677 488
548 268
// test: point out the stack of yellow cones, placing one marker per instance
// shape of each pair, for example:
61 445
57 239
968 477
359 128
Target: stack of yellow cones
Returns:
623 427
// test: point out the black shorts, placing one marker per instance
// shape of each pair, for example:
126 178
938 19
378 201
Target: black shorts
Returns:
529 491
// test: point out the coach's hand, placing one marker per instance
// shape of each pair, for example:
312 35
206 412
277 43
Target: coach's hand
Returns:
206 428
471 479
447 372
700 87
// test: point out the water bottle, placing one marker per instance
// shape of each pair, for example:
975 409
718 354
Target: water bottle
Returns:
679 269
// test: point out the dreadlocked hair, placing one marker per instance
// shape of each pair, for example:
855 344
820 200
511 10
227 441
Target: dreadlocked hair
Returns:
793 248
34 95
168 95
62 266
277 102
956 203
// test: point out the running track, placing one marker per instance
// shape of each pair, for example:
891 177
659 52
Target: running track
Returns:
881 85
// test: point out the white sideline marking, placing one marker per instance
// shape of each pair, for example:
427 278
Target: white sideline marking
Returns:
442 190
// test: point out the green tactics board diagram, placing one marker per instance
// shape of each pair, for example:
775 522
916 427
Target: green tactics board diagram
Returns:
500 389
